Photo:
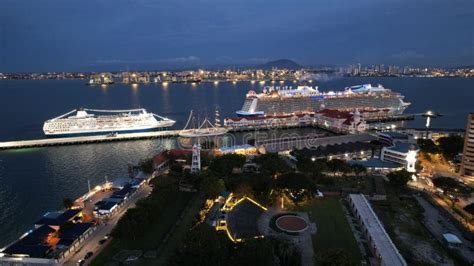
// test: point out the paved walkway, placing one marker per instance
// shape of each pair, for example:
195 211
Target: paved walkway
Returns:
303 241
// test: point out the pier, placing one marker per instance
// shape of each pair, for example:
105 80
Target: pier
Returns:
86 139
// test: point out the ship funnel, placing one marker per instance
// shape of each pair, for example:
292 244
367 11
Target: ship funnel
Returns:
81 113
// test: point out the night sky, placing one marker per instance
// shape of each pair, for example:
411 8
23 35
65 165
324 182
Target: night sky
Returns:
70 35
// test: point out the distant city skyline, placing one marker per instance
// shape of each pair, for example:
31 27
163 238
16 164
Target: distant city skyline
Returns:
51 35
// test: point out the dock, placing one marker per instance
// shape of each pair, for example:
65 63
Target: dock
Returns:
20 144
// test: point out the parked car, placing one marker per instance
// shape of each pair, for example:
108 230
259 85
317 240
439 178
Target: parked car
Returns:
102 241
88 255
81 262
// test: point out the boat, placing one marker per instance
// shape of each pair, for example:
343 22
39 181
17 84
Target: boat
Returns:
104 122
205 129
308 99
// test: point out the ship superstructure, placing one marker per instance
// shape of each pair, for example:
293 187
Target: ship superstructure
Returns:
96 122
305 99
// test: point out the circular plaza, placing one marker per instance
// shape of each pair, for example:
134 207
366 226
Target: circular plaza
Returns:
291 223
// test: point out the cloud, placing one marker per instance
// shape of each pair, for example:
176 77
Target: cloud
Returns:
108 61
187 59
174 60
407 55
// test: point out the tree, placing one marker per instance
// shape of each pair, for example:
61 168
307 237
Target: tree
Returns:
427 145
147 166
176 169
287 253
335 257
212 186
338 165
451 146
294 181
307 165
304 164
448 184
202 246
358 169
272 164
399 178
224 164
254 252
132 224
68 203
297 184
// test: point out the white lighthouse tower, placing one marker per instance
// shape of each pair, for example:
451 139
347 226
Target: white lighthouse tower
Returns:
196 159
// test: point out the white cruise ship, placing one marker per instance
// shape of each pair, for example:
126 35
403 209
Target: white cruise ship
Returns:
100 122
305 99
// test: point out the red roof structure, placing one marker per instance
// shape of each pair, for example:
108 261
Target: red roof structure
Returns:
167 154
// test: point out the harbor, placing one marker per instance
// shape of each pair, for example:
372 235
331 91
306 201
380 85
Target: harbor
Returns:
188 133
63 171
230 125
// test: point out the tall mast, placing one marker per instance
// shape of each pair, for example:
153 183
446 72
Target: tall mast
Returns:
217 122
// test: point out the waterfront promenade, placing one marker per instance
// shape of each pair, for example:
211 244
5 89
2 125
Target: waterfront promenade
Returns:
92 242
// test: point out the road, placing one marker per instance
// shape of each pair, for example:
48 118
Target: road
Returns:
92 242
421 184
438 224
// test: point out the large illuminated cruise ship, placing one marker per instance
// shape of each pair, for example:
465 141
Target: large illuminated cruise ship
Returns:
306 99
99 122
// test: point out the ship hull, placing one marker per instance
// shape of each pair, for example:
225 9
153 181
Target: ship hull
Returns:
106 132
121 121
275 106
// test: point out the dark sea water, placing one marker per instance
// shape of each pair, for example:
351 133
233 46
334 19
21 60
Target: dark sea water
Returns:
33 181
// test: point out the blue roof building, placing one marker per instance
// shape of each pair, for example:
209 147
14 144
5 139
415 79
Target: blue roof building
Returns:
34 244
56 219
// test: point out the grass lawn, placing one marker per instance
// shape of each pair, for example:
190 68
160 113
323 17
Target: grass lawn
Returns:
154 235
333 230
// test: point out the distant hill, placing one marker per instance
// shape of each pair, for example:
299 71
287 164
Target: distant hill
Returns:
281 63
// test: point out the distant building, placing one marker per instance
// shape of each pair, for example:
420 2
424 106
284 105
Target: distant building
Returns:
467 163
400 149
101 79
347 151
432 133
135 77
377 166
